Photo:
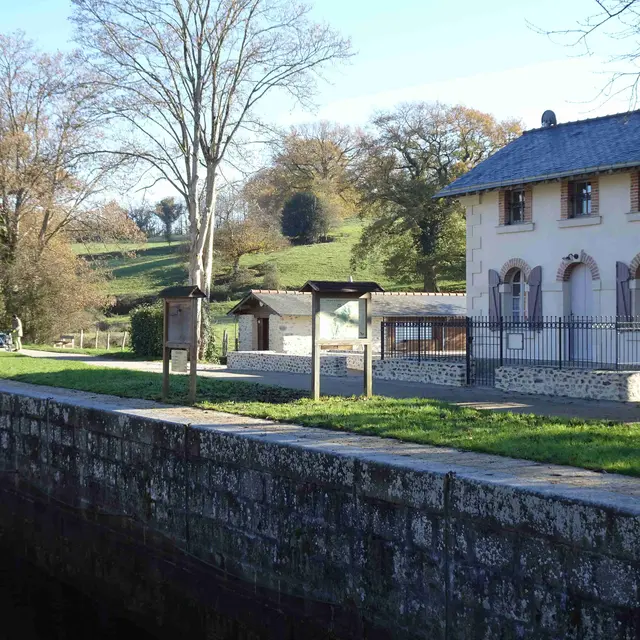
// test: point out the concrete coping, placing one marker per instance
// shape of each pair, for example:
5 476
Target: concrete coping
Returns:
570 483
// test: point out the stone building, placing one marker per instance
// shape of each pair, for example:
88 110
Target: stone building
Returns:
280 321
553 222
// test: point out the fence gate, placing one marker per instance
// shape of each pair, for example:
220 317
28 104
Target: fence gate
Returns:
485 344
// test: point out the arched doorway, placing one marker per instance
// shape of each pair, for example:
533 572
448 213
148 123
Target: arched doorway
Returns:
581 310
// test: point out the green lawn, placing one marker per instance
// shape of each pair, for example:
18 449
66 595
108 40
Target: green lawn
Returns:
596 445
144 269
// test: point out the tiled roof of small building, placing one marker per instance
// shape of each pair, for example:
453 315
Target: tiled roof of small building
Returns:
387 304
560 151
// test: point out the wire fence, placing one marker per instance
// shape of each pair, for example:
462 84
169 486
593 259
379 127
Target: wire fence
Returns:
611 343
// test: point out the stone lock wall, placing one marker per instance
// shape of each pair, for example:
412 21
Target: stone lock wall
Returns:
430 372
573 383
362 537
286 363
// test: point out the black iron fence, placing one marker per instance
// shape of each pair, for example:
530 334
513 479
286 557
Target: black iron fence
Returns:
485 344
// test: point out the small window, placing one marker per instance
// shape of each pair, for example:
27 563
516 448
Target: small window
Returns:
579 199
413 331
515 201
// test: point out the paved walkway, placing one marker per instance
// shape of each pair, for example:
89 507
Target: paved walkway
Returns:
475 397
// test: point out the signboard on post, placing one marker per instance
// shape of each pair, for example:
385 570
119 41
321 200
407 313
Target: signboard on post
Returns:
341 316
180 335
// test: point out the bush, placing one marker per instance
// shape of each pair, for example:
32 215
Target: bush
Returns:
146 330
208 351
271 278
306 218
221 292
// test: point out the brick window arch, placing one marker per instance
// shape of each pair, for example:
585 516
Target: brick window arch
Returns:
515 263
565 268
634 267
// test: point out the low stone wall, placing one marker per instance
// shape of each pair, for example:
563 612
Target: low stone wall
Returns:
571 383
185 517
286 363
427 371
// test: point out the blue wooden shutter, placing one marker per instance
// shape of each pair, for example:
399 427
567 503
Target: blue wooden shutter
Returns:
534 301
494 295
623 291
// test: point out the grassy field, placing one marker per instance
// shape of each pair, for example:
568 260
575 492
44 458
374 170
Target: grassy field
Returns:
144 269
598 445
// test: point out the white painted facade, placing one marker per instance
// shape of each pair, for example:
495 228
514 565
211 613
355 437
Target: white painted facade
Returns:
612 235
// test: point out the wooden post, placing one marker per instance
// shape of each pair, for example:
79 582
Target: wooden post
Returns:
108 340
368 351
81 337
97 334
193 365
165 353
124 340
315 347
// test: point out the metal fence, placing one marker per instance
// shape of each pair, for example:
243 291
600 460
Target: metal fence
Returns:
485 344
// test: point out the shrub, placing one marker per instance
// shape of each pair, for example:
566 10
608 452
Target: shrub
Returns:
271 278
146 330
208 351
306 218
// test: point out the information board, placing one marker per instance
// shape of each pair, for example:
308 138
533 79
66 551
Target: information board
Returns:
179 319
342 319
179 360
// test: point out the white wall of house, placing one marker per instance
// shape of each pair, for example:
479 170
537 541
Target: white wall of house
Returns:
613 235
247 333
288 334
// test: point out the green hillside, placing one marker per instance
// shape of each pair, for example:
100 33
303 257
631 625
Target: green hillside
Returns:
141 270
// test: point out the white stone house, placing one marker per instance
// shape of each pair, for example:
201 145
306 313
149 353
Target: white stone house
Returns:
280 321
553 223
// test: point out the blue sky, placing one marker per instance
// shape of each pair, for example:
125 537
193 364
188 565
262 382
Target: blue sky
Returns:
479 53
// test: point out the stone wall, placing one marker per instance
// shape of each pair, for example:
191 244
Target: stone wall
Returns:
362 537
333 365
427 371
573 383
247 336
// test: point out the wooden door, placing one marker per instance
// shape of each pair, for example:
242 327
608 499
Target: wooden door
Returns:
263 334
580 344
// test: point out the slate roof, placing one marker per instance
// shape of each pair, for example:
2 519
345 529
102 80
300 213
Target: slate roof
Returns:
387 304
564 150
330 286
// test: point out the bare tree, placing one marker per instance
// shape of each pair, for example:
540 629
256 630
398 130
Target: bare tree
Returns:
48 133
184 79
619 20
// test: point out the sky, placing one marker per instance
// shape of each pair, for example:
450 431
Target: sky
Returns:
483 54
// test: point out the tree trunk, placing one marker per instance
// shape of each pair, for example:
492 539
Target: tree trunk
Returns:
430 280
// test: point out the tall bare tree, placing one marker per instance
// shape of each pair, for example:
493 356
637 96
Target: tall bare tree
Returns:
185 77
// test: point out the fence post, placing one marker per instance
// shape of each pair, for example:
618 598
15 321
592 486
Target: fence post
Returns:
124 340
383 327
559 343
419 340
81 337
469 336
501 340
615 337
108 340
97 334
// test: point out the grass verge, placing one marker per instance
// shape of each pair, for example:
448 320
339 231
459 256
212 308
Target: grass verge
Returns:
115 353
598 445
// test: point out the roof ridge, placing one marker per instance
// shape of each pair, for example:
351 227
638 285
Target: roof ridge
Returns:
419 293
573 122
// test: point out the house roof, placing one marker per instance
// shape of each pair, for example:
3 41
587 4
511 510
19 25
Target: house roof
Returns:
560 151
330 286
189 291
385 304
